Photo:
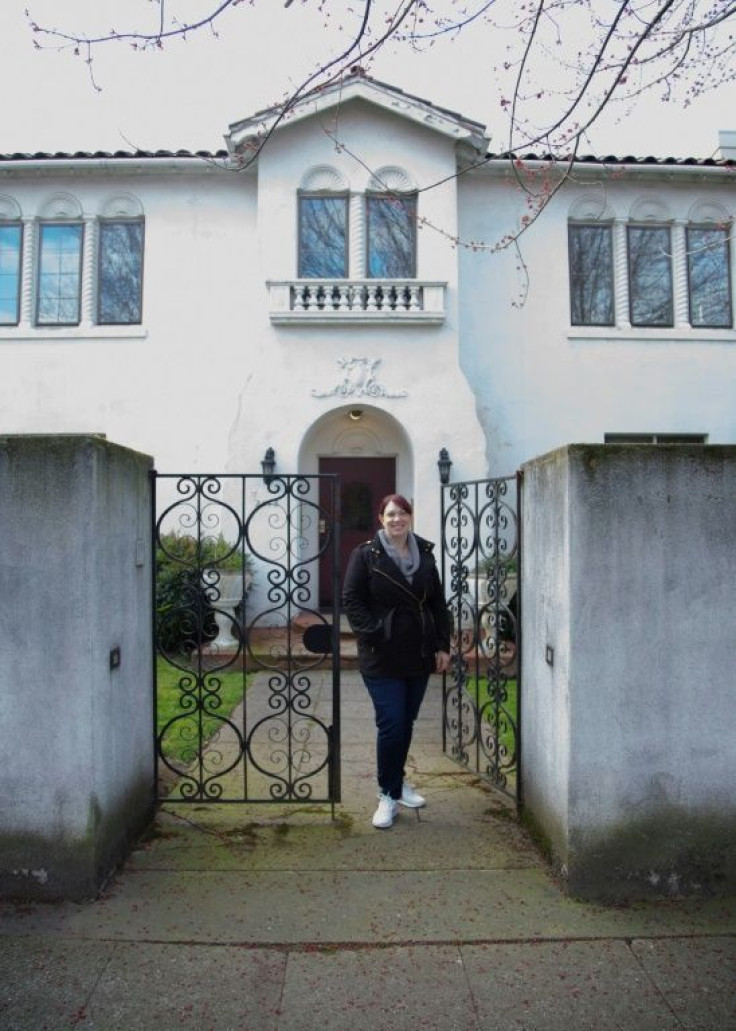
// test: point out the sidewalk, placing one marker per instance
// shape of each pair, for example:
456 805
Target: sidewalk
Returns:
260 918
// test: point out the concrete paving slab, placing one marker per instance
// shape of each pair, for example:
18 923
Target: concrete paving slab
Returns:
193 987
45 984
344 846
449 920
697 976
460 829
555 986
303 907
402 989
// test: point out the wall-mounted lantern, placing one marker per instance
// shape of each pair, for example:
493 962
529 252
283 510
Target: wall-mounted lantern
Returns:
268 464
444 464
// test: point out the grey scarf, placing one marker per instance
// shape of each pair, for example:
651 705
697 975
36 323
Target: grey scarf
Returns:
408 566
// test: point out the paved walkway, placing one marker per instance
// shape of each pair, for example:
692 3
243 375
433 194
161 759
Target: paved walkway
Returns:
265 919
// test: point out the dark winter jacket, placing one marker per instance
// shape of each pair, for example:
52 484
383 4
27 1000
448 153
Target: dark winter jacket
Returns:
399 625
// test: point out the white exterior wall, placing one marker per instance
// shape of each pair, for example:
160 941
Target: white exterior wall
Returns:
209 381
542 383
277 406
165 387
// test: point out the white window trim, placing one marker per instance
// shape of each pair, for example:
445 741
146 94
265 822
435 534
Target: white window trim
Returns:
24 332
682 331
64 207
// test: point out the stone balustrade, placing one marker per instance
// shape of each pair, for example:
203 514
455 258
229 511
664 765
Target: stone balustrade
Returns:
356 300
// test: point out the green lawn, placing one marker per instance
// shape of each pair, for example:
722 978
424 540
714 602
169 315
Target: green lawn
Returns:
479 692
181 740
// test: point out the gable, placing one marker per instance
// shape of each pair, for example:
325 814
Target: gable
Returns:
243 134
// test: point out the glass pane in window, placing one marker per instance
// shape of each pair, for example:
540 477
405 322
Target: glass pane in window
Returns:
709 277
591 275
120 273
60 274
10 251
323 237
391 227
650 276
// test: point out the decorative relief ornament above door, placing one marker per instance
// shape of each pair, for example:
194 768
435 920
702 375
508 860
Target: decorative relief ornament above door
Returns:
359 380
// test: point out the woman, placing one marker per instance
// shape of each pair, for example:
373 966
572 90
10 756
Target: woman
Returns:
394 603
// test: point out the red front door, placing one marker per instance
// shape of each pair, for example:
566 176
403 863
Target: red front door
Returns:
363 483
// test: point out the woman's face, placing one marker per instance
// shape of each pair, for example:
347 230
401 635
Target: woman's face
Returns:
395 521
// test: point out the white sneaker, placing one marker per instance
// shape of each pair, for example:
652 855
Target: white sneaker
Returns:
384 815
411 798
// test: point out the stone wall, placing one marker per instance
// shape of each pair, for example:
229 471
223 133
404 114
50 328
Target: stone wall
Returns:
629 666
76 742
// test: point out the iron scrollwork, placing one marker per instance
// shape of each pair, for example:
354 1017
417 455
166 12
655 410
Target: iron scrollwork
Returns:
250 718
481 567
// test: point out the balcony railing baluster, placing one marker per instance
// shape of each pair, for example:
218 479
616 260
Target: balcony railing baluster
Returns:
368 300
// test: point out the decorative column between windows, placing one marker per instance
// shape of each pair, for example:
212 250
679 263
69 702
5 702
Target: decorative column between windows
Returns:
87 314
679 276
29 257
357 236
621 276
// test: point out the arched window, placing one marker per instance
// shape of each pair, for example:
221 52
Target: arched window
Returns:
11 250
323 225
391 226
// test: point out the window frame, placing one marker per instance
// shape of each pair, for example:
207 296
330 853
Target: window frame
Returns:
651 227
7 224
655 438
101 222
303 195
373 195
726 246
575 225
58 224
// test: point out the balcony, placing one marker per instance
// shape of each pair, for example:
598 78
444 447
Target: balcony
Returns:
364 301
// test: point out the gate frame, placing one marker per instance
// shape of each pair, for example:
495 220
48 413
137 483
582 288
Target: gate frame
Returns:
279 486
461 603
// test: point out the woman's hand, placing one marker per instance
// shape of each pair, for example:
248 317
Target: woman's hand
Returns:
442 661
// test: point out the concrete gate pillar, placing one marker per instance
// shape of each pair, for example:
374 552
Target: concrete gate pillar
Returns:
76 739
629 666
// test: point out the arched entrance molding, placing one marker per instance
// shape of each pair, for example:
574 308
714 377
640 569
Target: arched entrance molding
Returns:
369 451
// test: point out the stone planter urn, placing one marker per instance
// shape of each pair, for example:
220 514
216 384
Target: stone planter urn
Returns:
230 587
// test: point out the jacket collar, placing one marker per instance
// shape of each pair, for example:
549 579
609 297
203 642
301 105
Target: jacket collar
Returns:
425 546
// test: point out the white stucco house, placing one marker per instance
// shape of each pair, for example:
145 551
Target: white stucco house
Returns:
329 299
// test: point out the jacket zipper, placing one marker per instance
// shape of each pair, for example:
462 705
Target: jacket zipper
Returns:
420 602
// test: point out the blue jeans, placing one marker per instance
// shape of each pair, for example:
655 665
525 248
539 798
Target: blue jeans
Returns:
397 701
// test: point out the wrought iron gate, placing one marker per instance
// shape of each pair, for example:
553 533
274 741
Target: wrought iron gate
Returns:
247 663
481 574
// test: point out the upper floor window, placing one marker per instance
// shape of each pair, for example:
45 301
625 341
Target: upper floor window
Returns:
652 272
590 252
11 242
62 268
323 236
709 277
650 275
391 236
120 272
59 274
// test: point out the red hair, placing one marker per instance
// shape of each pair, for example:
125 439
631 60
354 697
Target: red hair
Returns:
399 500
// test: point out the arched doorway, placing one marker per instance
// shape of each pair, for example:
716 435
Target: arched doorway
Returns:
369 452
363 482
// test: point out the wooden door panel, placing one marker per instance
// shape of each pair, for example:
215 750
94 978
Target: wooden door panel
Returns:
363 483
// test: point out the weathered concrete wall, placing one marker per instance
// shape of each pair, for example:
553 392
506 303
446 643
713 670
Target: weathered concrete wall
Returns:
76 749
629 755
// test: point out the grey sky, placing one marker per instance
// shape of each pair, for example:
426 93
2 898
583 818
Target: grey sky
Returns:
187 95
